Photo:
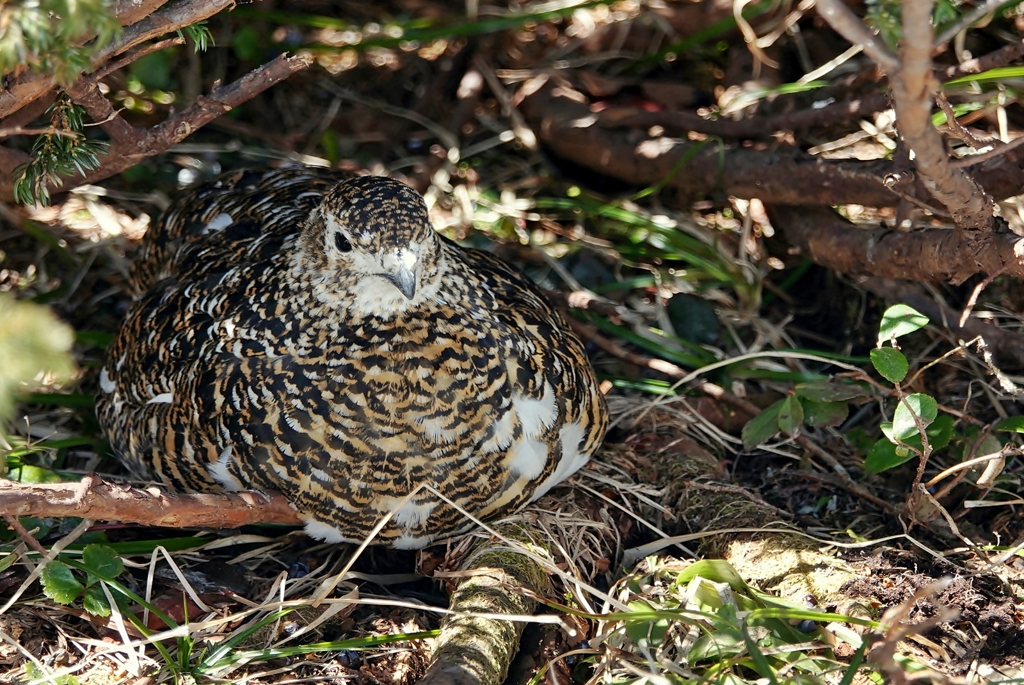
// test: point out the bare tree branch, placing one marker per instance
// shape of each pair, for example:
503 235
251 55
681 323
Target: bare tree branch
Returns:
565 124
135 144
912 85
30 85
921 255
912 88
95 499
137 55
86 92
130 11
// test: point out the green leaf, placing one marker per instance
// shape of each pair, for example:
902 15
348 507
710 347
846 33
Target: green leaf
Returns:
939 434
102 561
761 427
884 456
1012 424
899 320
941 431
945 12
27 473
645 629
890 363
200 34
903 423
885 17
36 674
95 602
821 414
825 390
59 584
715 570
791 415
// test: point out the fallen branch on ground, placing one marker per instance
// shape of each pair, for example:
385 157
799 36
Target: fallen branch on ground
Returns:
564 123
922 255
94 498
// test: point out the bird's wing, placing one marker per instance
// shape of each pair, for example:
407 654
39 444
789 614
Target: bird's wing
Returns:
230 212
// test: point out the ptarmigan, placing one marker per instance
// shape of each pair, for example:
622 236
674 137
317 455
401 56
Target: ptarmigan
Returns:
309 332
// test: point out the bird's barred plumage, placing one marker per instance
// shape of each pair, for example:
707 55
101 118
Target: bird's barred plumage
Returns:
307 332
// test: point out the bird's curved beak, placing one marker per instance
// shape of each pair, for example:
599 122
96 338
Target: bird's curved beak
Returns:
404 279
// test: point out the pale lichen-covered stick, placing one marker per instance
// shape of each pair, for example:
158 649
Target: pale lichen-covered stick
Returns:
309 332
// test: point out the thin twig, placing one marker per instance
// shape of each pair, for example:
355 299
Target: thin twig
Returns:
975 294
137 55
996 151
49 131
849 26
955 127
524 134
965 21
26 536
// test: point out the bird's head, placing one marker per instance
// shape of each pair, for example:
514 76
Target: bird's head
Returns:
374 233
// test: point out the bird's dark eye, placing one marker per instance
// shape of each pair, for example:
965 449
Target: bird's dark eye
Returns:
342 243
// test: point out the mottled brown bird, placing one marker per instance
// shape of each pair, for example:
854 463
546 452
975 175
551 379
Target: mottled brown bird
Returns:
310 333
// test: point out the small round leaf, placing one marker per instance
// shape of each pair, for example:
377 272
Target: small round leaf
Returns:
59 584
903 424
791 416
102 561
761 427
890 363
883 456
821 414
95 602
899 320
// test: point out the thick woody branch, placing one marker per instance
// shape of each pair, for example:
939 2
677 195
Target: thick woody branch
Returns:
676 121
562 119
130 11
912 90
132 145
30 85
86 92
95 499
913 85
922 255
